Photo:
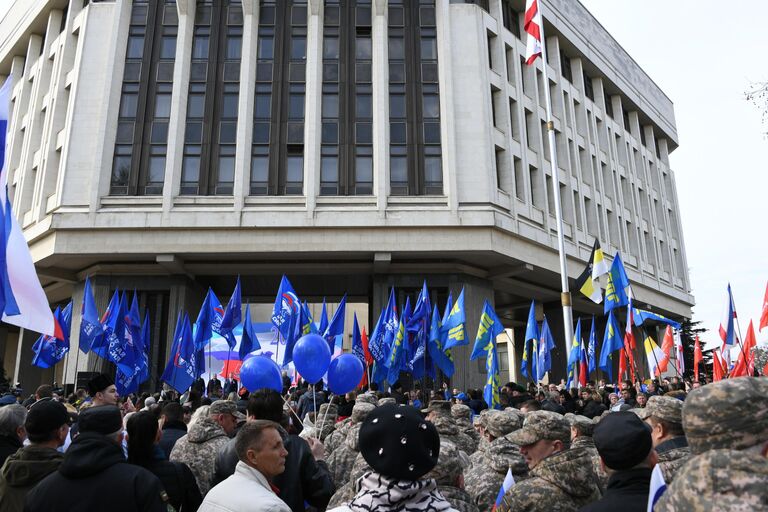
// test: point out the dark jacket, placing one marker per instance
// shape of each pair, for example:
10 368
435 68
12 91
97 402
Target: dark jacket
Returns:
22 471
307 402
179 483
627 491
172 431
304 478
592 409
477 405
8 446
95 476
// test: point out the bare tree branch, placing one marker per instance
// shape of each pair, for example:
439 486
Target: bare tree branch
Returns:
757 94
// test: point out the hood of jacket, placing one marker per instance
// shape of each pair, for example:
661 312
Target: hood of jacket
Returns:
503 454
204 430
570 470
30 465
90 454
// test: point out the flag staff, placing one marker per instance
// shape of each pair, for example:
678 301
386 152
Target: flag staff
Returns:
534 25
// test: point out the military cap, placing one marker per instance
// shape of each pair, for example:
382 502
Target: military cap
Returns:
451 463
664 408
623 440
99 383
461 411
501 423
361 410
387 401
731 413
584 425
103 419
329 409
438 406
225 407
540 425
368 398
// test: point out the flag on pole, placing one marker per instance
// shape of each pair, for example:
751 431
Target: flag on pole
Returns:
233 315
509 481
248 342
616 288
629 343
583 366
573 355
90 325
592 347
381 339
435 346
657 488
49 350
100 344
454 325
357 340
323 318
336 326
285 315
726 330
587 283
641 316
306 324
532 25
679 353
745 364
396 359
764 315
532 335
485 344
611 343
181 371
718 367
208 320
22 300
698 357
366 350
546 344
666 350
654 355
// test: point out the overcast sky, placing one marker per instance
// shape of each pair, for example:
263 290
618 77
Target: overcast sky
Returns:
704 62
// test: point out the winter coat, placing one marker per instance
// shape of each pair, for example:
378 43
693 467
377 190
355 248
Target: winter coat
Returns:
484 478
304 478
198 450
307 403
627 491
448 429
341 460
172 432
588 444
8 446
22 471
673 453
562 482
94 475
247 490
178 481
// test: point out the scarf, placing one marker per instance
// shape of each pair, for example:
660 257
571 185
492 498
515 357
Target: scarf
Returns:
377 492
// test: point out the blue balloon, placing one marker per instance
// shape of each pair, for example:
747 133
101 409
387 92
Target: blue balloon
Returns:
259 372
311 357
345 374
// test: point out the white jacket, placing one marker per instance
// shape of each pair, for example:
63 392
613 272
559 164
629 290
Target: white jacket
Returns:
247 490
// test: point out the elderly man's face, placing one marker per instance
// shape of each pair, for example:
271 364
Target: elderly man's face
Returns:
613 398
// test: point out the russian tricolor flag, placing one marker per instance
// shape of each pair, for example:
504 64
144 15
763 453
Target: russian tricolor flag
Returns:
509 481
22 299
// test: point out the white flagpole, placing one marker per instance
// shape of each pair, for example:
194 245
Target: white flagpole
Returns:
565 296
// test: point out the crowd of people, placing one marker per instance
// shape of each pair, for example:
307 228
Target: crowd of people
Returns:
217 448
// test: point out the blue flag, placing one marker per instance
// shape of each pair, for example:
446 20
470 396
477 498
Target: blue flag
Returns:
616 288
573 355
641 316
181 370
307 324
323 319
546 344
357 340
145 343
454 325
49 350
336 326
233 315
133 325
286 314
90 324
419 325
528 364
208 320
435 346
249 342
382 337
592 348
122 349
485 344
100 344
612 341
396 361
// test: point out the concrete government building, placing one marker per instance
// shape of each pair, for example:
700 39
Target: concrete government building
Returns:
354 145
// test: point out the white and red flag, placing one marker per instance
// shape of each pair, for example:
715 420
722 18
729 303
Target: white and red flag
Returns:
532 26
764 315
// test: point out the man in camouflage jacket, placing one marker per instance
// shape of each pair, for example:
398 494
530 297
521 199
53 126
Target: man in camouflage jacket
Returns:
439 413
461 413
341 460
581 437
449 475
664 414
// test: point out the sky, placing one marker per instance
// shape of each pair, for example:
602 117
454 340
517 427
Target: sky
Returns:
704 64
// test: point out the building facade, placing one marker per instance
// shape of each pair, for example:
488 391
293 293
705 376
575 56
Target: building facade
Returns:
354 145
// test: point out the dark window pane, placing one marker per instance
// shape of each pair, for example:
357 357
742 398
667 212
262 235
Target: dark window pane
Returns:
428 72
165 71
331 72
295 133
159 132
330 133
200 48
266 48
396 48
135 47
433 172
121 169
427 15
297 72
298 48
431 133
233 48
261 133
170 15
267 15
295 168
397 133
431 106
299 15
260 168
132 71
331 15
263 107
124 133
231 71
235 15
139 15
128 104
363 106
363 48
227 133
396 17
190 172
168 47
363 72
203 15
363 16
330 105
296 106
226 169
194 134
364 169
264 72
364 133
329 169
428 49
229 106
156 169
398 169
198 71
396 105
196 105
331 48
396 72
163 105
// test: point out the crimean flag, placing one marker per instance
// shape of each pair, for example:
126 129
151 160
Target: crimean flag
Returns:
727 333
532 26
764 315
698 357
745 364
587 283
653 354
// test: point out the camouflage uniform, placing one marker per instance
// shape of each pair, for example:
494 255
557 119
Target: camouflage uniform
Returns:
562 482
368 398
386 401
341 460
346 492
484 478
586 426
326 418
722 422
673 452
198 449
461 413
450 466
479 425
448 430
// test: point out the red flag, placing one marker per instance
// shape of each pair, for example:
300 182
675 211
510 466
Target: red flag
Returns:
622 364
368 356
666 348
532 25
745 365
697 358
764 316
717 367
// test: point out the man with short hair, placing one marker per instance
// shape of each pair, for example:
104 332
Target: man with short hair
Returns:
102 390
439 413
641 400
43 392
199 447
94 474
582 429
262 457
530 406
664 415
12 431
560 479
626 453
173 426
47 427
306 477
